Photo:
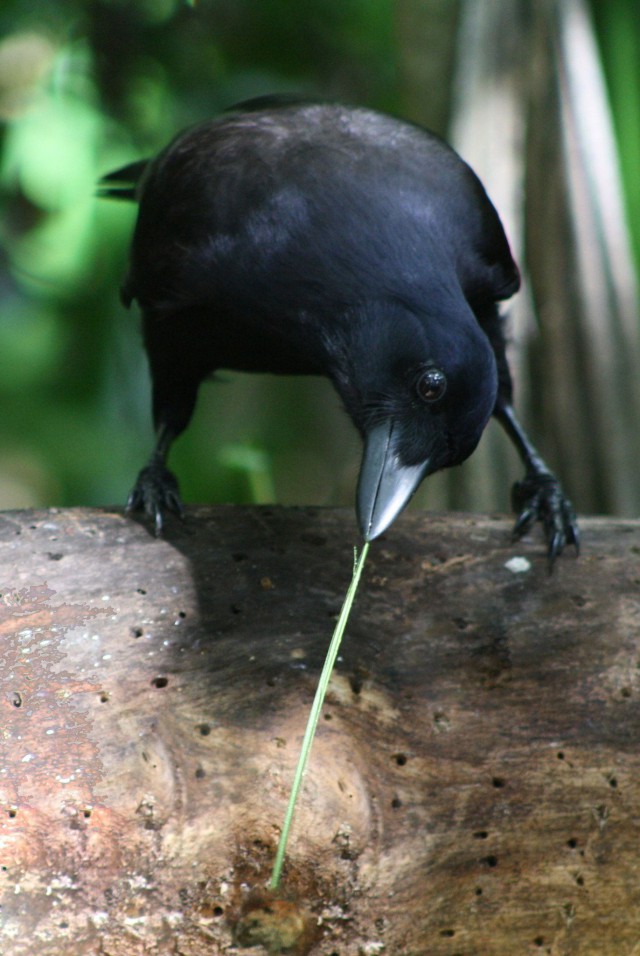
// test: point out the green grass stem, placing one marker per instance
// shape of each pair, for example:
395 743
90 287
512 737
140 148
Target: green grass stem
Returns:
314 715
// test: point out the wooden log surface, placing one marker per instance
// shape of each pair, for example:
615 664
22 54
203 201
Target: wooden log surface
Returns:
474 789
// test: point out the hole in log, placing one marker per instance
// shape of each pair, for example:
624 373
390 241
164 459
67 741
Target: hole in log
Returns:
159 682
204 729
498 782
401 759
355 683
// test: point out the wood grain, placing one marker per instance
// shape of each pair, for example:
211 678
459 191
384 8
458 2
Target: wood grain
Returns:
474 789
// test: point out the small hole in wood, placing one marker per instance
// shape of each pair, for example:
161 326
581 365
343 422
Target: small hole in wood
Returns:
401 759
355 683
572 843
491 861
396 803
159 682
498 782
204 729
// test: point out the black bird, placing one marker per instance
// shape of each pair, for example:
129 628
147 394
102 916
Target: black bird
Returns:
310 238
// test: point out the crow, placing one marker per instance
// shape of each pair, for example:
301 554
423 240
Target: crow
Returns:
298 237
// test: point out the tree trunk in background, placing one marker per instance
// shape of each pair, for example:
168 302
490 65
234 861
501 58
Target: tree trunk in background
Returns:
529 113
426 33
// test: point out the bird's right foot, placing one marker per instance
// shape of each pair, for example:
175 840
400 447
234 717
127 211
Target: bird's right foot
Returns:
155 492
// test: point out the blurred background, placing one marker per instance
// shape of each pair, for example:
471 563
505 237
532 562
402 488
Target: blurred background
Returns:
542 99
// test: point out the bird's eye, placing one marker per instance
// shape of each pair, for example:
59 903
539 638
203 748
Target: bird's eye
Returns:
432 385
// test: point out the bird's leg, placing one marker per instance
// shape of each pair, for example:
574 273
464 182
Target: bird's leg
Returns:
156 488
539 496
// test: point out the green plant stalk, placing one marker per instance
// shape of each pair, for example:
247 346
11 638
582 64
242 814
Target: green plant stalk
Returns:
314 715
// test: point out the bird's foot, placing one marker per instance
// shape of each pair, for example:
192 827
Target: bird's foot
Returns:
539 497
155 492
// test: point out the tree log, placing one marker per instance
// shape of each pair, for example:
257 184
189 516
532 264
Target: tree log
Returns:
474 789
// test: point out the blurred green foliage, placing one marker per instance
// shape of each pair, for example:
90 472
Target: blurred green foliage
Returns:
87 86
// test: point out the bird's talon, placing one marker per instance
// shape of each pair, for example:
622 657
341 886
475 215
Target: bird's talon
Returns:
155 492
539 497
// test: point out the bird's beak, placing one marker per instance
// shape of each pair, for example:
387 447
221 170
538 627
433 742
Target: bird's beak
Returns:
385 486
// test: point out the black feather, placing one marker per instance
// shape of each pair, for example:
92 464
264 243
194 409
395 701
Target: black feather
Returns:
123 183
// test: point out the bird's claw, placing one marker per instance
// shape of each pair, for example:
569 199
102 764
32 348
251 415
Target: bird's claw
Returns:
539 497
155 492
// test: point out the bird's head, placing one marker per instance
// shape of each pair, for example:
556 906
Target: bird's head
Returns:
420 389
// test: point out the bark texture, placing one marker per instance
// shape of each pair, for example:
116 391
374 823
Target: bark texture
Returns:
474 789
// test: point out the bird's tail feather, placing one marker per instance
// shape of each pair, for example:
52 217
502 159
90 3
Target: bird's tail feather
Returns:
122 183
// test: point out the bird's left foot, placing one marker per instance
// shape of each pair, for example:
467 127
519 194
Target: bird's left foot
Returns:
539 497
